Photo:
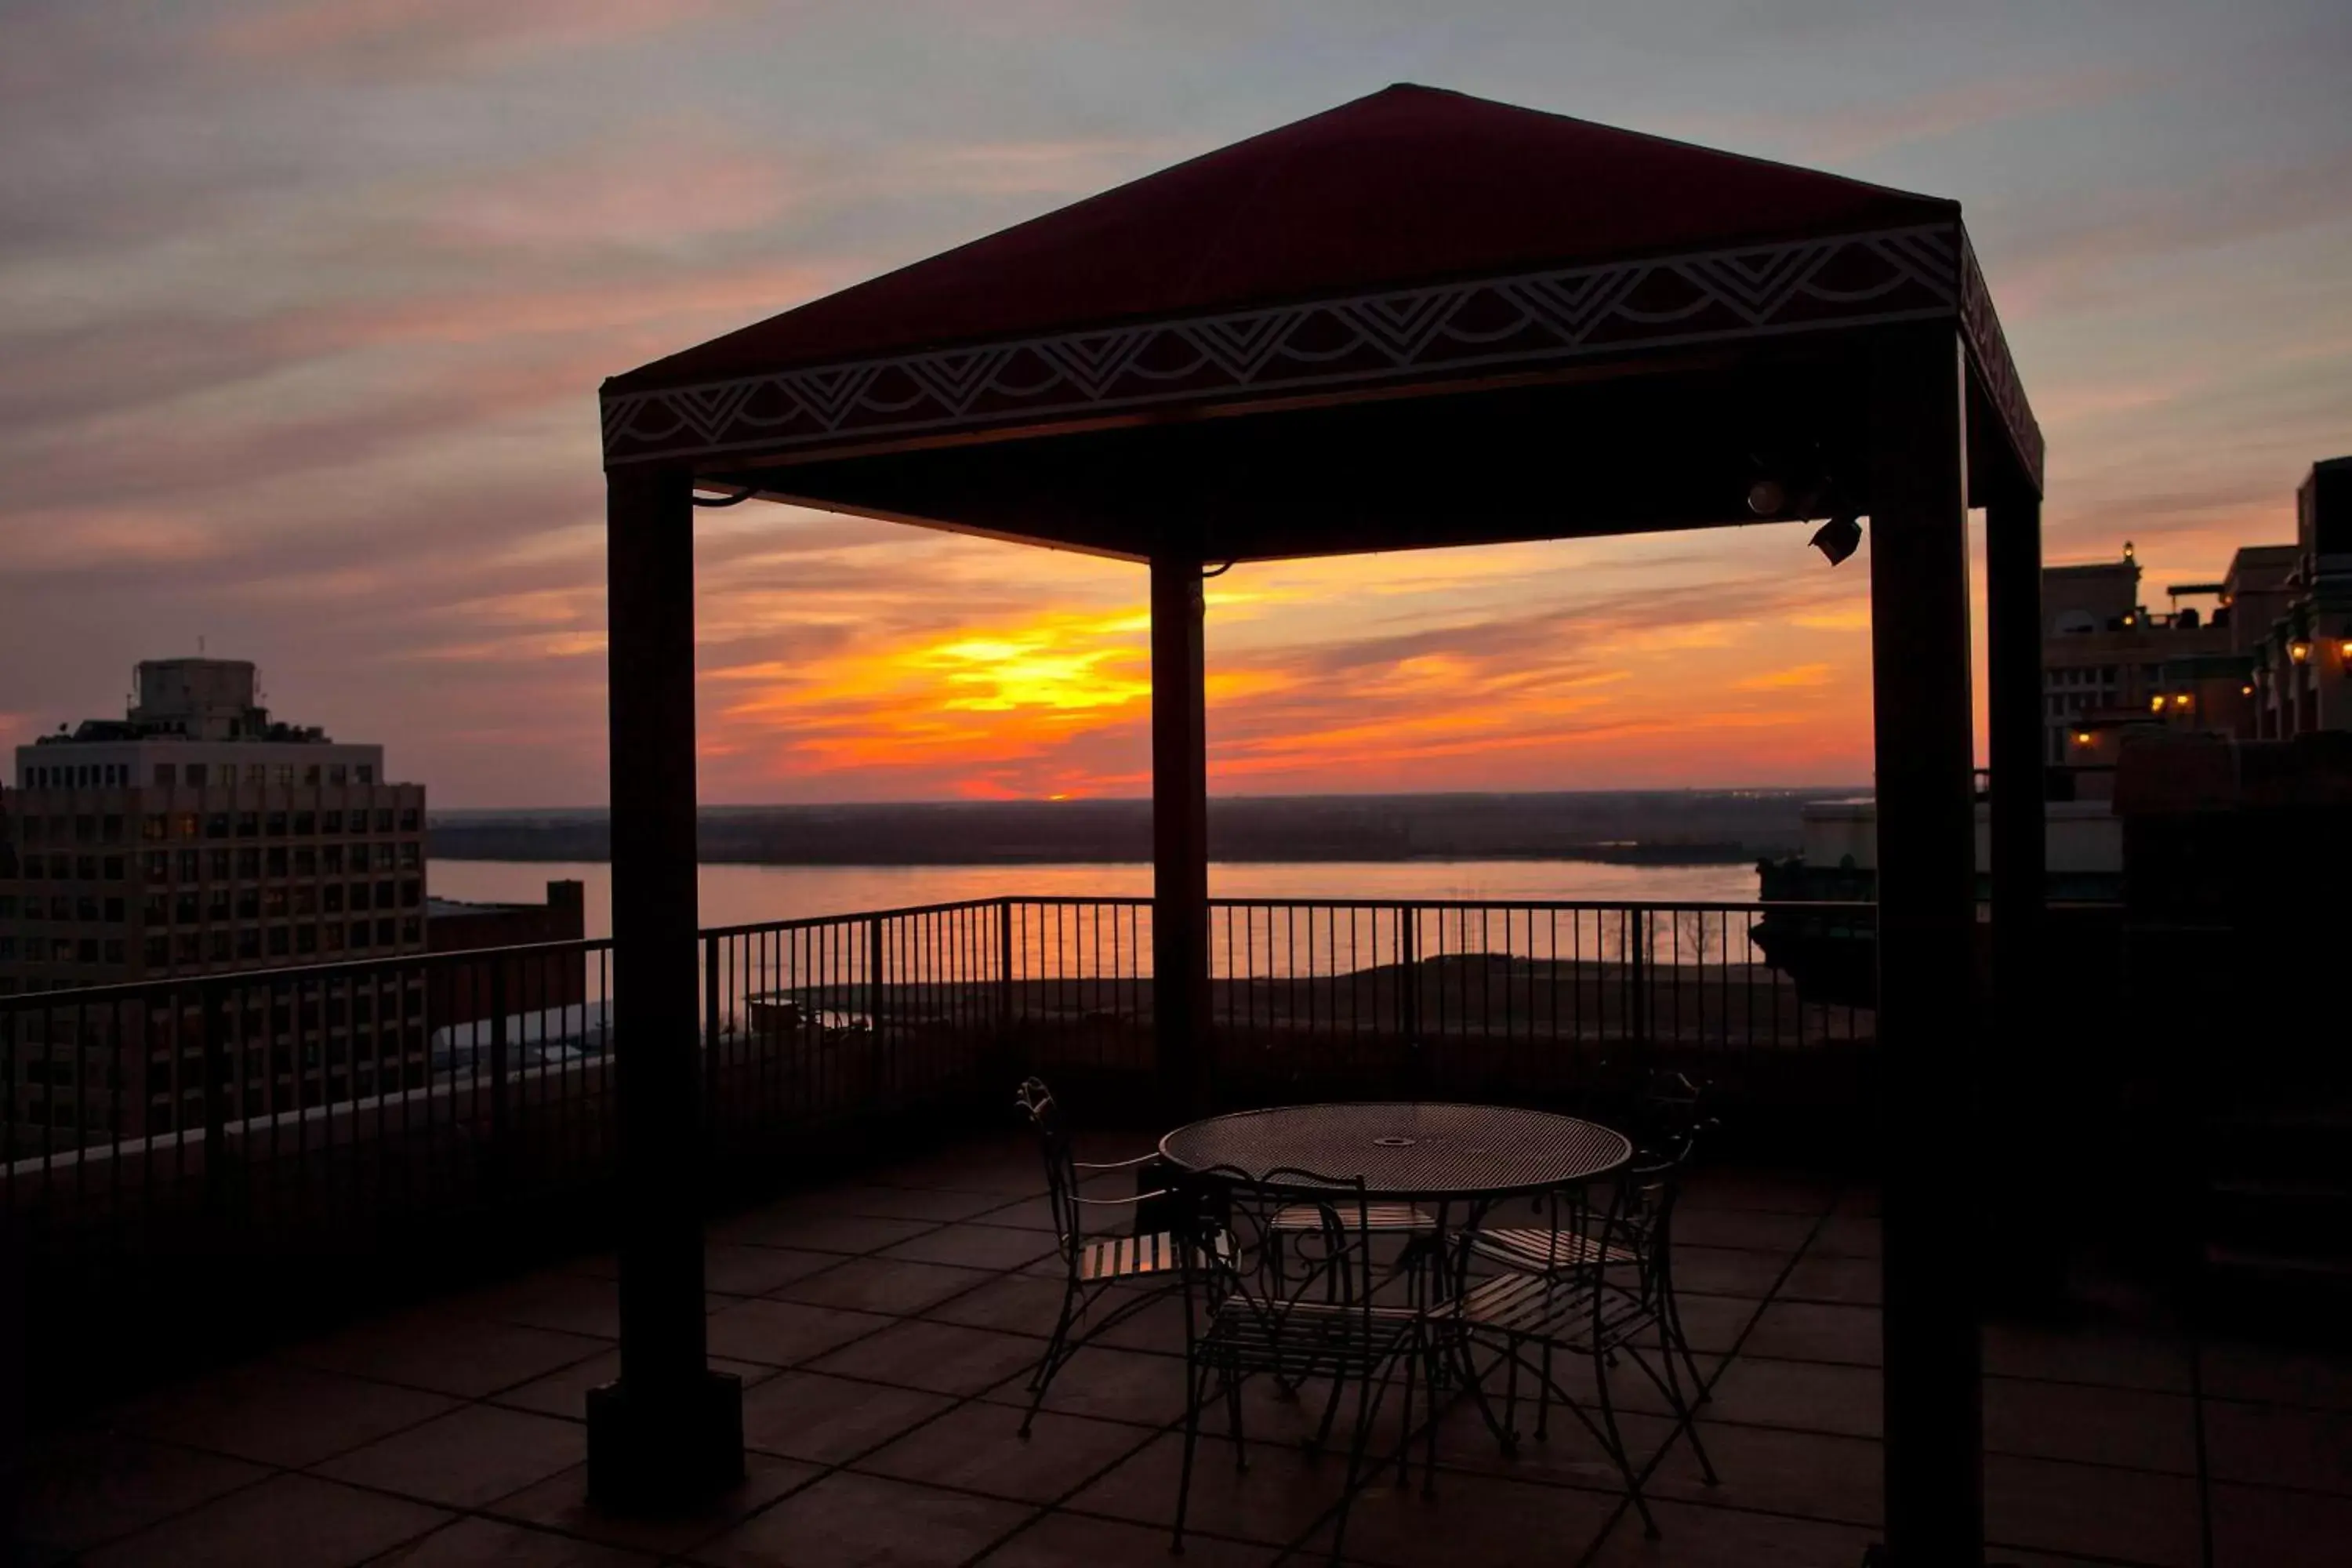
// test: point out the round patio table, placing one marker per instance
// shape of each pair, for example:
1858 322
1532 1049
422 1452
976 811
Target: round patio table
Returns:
1408 1151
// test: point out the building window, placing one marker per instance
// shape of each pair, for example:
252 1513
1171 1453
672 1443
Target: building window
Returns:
359 895
248 824
216 904
276 825
216 865
110 829
188 864
384 933
332 897
114 912
84 829
86 949
306 823
383 895
154 826
197 773
412 928
306 899
248 942
61 866
256 773
61 950
183 909
248 903
412 854
306 861
408 819
364 773
331 822
86 867
248 864
286 773
60 907
384 819
158 864
278 941
278 860
215 824
358 933
216 946
157 950
273 903
305 939
411 890
113 864
310 774
331 936
359 857
338 774
188 948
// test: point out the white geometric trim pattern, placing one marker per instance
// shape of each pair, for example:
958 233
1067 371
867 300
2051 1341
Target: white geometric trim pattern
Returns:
1483 324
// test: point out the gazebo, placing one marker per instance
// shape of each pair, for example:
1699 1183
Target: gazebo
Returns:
1419 319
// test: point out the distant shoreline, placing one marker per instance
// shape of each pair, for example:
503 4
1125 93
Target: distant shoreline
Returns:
1632 827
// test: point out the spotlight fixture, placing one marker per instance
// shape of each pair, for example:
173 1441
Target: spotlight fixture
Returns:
2299 650
1767 497
1838 538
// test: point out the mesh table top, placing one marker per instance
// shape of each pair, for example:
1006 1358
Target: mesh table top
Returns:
1407 1150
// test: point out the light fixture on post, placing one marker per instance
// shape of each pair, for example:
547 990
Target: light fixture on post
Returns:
1838 538
2299 650
2156 703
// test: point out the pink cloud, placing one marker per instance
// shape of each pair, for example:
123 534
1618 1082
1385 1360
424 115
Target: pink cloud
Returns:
373 36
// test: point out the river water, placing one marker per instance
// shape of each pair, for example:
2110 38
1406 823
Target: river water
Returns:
743 895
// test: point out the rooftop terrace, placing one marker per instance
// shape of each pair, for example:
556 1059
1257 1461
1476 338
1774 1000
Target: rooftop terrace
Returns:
884 1326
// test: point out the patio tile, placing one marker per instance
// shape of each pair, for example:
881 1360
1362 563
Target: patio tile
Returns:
2279 1445
2098 1425
1807 1397
1849 1282
1157 1326
290 1522
976 1449
848 1519
826 1420
1279 1498
1772 1192
1715 1323
1843 1234
2110 1357
1749 1229
1816 1331
944 1358
485 1543
1811 1474
279 1413
938 1206
1017 1303
815 1232
82 1487
2093 1511
757 1270
1028 1214
466 1458
1696 1537
2262 1527
2237 1371
882 1285
780 1333
975 1246
1114 1385
1725 1272
566 1301
565 1393
1485 1519
560 1503
1076 1541
467 1359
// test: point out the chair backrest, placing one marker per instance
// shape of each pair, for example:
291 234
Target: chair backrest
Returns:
1256 1258
1667 1116
1641 1218
1037 1104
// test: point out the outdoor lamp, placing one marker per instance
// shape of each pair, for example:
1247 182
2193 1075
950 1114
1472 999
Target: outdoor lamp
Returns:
2299 650
1767 497
1837 539
2082 737
2156 703
2344 652
2180 700
2245 691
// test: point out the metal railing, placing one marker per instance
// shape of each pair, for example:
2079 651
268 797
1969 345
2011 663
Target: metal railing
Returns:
329 1105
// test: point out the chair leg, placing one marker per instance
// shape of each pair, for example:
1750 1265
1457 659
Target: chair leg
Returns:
1616 1442
1543 1400
1234 1417
1195 1374
1685 1411
1429 1441
1404 1442
1043 1378
1356 1446
1700 1389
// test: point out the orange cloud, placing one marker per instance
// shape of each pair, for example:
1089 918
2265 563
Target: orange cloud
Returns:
375 35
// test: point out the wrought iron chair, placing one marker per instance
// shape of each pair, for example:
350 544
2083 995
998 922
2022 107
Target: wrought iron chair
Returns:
1143 1268
1666 1121
1267 1294
1593 1284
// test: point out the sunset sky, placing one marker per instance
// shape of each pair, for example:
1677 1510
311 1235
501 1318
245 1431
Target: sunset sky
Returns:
303 306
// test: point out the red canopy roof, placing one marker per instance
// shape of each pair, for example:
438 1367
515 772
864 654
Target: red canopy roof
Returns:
1411 185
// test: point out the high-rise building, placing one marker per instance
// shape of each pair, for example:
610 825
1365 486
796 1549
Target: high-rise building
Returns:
196 837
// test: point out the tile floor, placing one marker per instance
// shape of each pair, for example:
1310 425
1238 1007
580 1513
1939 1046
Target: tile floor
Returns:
883 1330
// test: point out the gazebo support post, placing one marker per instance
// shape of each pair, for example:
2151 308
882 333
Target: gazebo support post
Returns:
669 1432
1179 833
1926 917
2015 1057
